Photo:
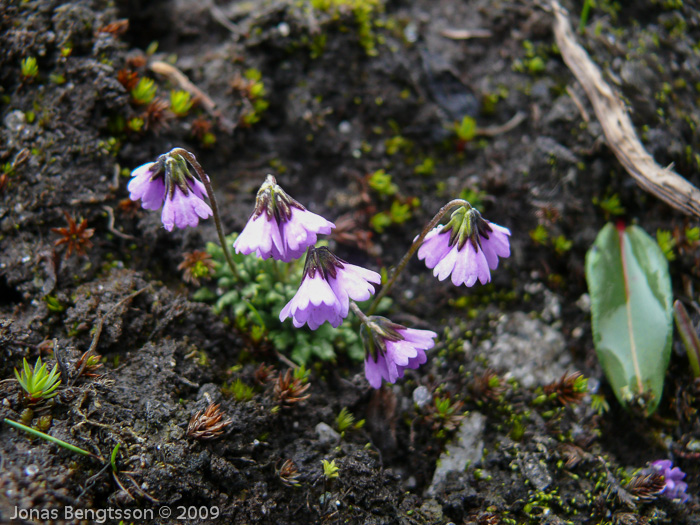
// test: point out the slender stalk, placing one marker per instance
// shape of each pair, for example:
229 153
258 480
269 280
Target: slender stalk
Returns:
52 439
584 15
212 200
359 313
414 247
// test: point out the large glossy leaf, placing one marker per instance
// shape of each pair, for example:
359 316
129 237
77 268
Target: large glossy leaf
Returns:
631 306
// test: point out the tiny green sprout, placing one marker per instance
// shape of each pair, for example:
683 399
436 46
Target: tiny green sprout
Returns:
144 91
380 181
330 470
152 48
29 68
466 129
610 205
53 304
561 244
344 420
113 457
135 124
400 212
535 65
241 391
66 50
427 167
37 382
380 221
302 374
180 102
599 404
667 243
539 235
692 235
57 78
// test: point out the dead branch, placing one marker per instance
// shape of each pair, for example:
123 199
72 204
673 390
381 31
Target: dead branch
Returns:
665 183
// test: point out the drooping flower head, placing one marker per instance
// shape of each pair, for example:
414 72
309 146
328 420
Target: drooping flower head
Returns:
466 247
168 182
675 488
326 288
279 226
391 348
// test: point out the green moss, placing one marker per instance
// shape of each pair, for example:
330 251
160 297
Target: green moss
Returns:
365 13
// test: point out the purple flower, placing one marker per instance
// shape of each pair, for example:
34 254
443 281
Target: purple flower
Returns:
279 227
326 288
391 348
675 488
467 247
169 183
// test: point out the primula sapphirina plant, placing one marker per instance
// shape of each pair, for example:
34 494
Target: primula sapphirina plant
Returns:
468 247
168 182
391 348
279 227
326 288
675 488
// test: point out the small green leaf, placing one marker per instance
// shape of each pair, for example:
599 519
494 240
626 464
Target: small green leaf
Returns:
631 304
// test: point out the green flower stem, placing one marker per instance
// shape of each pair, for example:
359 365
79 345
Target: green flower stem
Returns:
214 208
414 247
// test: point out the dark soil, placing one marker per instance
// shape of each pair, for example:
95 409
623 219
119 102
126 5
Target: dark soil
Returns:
347 96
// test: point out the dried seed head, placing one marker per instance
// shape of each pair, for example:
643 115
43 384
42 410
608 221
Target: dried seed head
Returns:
290 390
196 265
207 424
265 373
75 236
289 474
569 389
646 486
487 386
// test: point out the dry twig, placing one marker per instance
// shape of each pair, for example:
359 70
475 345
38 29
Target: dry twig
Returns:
665 183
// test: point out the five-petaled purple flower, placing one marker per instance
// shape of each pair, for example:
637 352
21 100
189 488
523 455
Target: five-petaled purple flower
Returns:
326 288
391 348
169 183
279 227
466 247
675 488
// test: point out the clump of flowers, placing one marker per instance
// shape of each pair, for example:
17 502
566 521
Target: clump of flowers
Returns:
675 488
468 247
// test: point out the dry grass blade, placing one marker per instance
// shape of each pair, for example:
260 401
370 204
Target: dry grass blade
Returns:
665 183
